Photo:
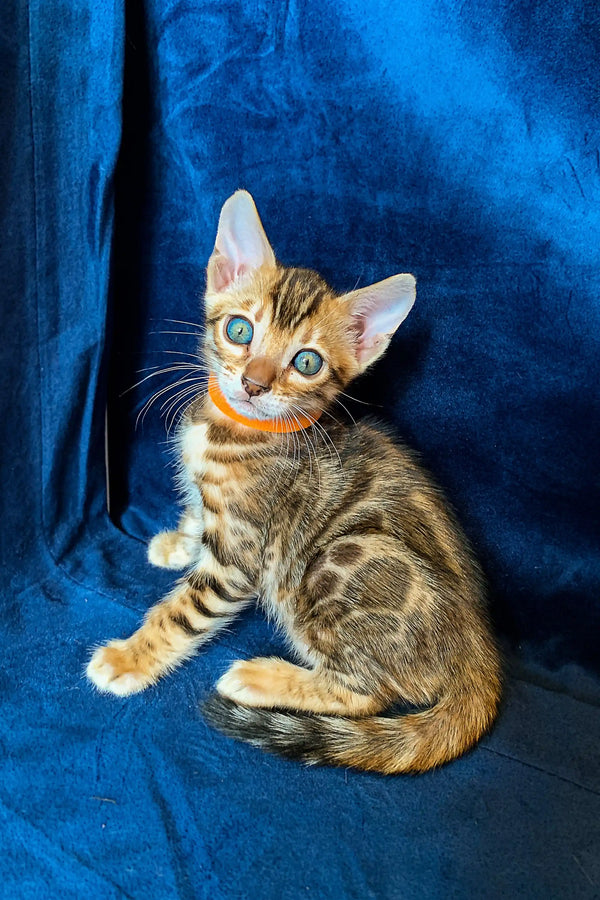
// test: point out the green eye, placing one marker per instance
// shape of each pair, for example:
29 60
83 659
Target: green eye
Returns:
239 330
308 362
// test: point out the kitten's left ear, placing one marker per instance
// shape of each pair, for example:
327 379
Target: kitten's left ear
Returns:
376 313
241 246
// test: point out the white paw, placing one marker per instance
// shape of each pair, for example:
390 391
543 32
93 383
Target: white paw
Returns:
111 670
234 686
170 550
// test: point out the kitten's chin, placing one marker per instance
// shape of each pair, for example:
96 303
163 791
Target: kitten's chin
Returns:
247 407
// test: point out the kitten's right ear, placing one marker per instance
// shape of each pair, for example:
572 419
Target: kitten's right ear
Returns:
241 246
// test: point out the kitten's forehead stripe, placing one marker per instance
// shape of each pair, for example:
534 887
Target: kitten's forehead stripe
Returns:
297 294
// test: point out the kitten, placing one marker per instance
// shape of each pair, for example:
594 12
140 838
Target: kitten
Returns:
334 528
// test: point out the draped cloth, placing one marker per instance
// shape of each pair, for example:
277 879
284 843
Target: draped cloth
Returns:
457 141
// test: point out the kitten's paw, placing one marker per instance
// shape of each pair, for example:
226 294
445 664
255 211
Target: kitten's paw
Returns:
171 550
114 669
252 682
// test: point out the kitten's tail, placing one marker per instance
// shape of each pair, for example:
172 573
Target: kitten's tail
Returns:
413 743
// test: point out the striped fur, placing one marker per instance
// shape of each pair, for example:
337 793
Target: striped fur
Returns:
337 532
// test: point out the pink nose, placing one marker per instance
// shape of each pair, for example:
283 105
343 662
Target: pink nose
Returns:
259 375
253 388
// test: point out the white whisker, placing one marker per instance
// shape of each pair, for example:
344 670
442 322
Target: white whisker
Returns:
356 400
346 410
184 333
164 371
179 401
183 322
320 430
156 396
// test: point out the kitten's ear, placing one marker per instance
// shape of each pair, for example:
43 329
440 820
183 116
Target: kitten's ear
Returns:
241 246
376 312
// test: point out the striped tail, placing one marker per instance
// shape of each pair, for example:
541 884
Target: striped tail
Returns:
412 743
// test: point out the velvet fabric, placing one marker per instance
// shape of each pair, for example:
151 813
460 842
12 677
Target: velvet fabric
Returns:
457 141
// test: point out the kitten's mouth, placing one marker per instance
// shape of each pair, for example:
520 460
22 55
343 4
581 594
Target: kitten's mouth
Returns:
246 406
251 407
244 411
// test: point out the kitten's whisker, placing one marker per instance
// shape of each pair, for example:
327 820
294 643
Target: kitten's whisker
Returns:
324 410
347 411
180 402
295 444
148 404
198 391
330 443
327 437
320 430
183 322
163 371
158 365
355 285
310 438
191 380
293 420
356 400
144 410
283 417
178 406
309 446
180 411
280 420
297 451
184 333
185 385
181 353
195 356
293 440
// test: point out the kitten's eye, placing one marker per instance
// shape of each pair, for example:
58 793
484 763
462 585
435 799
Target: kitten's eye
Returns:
308 362
239 330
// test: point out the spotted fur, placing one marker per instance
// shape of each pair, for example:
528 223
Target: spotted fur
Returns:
336 531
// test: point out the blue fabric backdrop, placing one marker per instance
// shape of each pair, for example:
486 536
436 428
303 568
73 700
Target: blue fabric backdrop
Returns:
459 141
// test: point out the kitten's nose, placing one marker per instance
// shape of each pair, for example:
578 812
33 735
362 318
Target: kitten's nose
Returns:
259 376
252 388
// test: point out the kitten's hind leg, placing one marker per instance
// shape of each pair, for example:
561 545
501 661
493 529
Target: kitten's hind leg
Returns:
271 682
171 632
177 549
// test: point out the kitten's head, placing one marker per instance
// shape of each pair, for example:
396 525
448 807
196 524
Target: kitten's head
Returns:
281 341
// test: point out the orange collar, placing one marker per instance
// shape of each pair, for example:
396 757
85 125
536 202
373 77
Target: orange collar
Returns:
298 423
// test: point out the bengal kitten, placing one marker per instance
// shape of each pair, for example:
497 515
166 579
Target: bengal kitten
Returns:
333 527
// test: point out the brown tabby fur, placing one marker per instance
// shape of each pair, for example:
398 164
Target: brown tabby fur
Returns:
342 538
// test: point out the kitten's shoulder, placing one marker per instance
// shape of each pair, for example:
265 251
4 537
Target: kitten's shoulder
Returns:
373 435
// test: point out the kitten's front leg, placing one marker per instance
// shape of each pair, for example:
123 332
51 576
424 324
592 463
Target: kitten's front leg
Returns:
177 549
172 631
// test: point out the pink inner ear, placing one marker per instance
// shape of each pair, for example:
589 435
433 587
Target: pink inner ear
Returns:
241 245
225 272
361 325
221 274
367 347
380 315
377 311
